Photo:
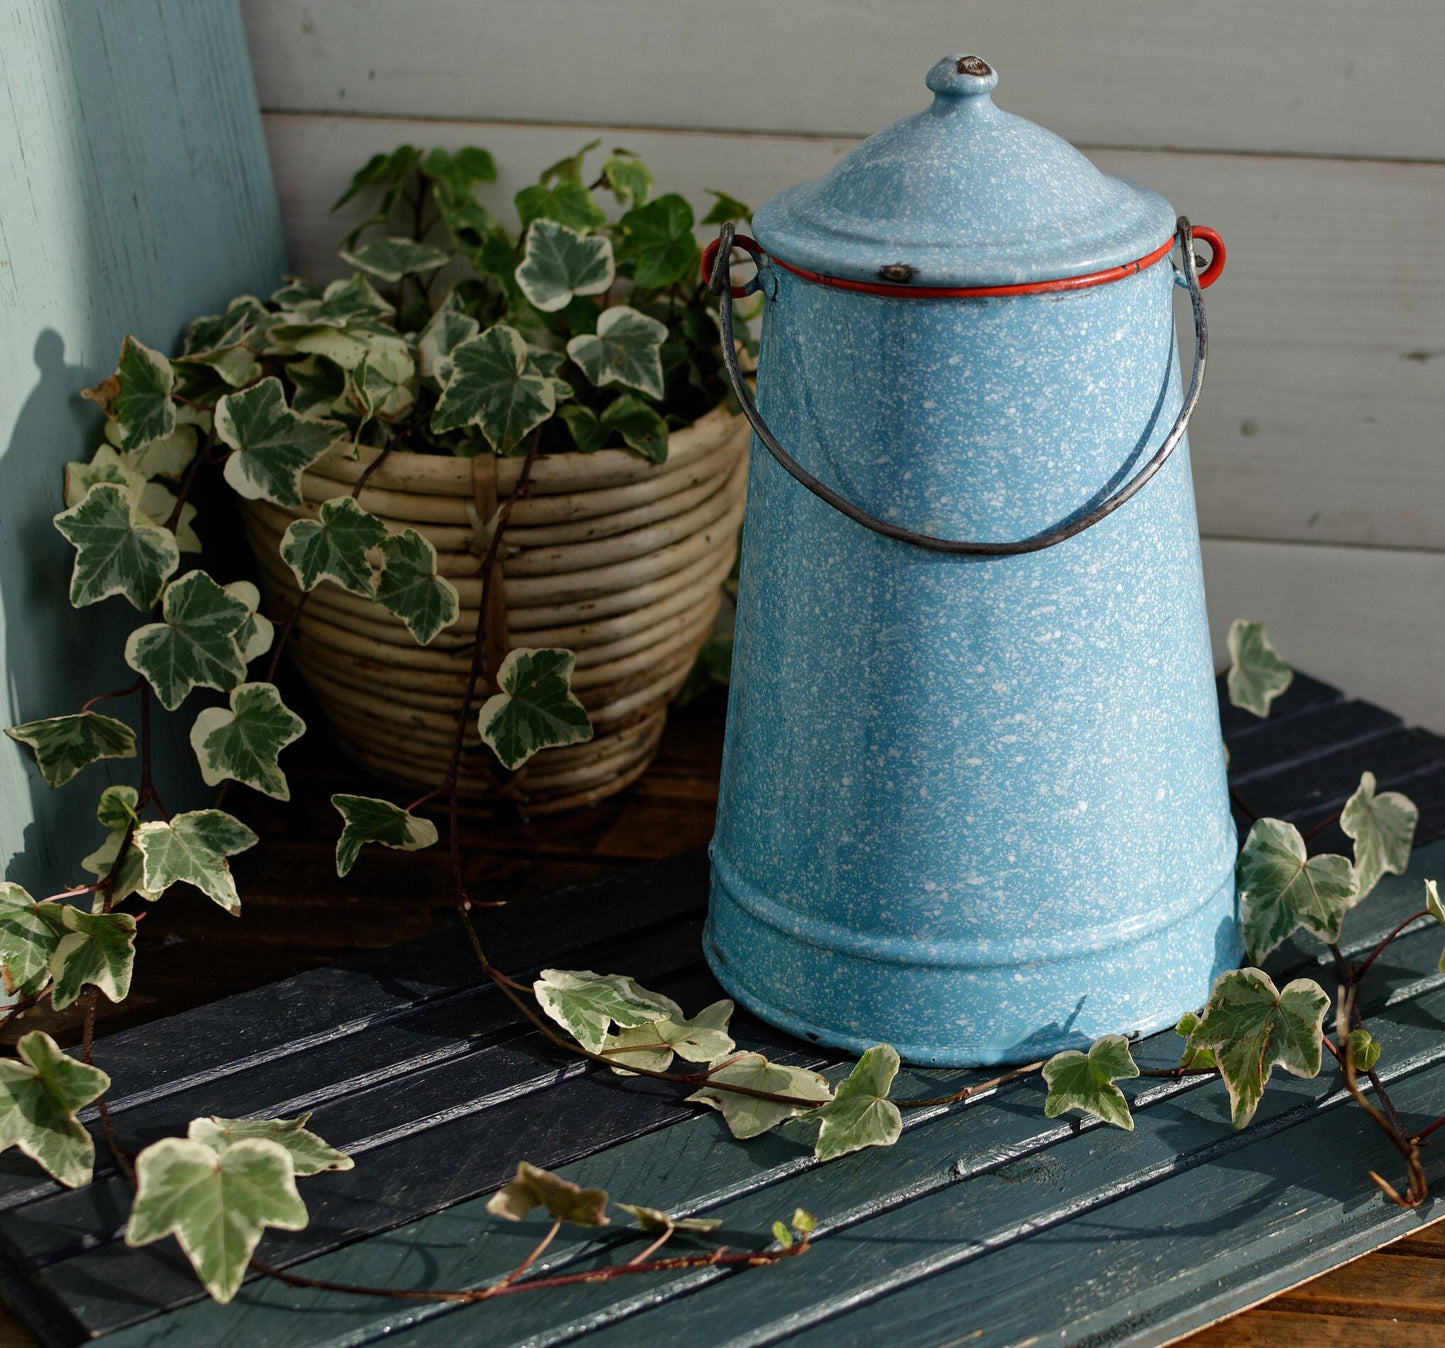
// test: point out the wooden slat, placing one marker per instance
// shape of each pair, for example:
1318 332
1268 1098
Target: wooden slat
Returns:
949 1198
1303 76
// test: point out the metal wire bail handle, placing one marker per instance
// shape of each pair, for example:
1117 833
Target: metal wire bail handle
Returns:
720 283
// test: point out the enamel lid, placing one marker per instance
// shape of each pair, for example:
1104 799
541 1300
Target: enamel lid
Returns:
963 194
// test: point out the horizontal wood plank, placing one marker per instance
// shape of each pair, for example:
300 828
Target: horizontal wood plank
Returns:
1304 76
1319 420
1369 619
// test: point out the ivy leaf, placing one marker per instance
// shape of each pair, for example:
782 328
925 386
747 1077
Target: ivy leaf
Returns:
318 382
704 1038
29 933
39 1096
1252 1027
491 386
588 1005
657 239
656 1221
1085 1081
243 743
626 349
1436 910
98 949
536 708
215 1203
1257 675
410 588
195 645
192 848
584 427
236 366
310 1155
458 173
725 208
369 820
65 744
334 547
745 1115
565 203
137 397
116 813
108 465
559 264
860 1113
1282 890
538 1188
446 330
117 549
1383 829
273 444
1192 1057
570 168
253 636
628 177
168 457
343 302
392 258
639 425
390 169
383 383
1364 1050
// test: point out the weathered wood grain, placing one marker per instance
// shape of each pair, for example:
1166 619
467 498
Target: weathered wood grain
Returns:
1326 78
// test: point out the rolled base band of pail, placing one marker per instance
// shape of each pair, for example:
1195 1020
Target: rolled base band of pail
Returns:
967 1006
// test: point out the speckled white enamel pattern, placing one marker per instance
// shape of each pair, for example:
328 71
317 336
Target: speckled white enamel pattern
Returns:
974 808
963 194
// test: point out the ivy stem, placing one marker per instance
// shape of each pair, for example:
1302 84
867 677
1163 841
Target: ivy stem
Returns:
1243 806
1174 1073
452 782
370 468
1349 978
1323 825
72 893
959 1096
1375 953
119 692
722 1256
1417 1188
656 1245
283 634
537 1252
1428 1129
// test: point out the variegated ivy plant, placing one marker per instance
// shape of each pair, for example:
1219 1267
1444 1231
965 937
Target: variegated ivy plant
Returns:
577 333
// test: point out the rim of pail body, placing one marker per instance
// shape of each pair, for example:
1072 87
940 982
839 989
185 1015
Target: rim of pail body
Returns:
902 290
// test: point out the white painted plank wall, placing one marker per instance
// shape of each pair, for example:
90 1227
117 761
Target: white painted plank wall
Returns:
1318 450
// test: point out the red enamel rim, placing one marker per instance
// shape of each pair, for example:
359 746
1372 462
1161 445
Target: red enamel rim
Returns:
1206 278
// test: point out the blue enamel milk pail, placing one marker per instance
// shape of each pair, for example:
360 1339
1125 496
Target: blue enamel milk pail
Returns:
973 799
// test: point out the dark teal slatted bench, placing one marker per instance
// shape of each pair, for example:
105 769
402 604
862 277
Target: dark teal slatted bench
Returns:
987 1223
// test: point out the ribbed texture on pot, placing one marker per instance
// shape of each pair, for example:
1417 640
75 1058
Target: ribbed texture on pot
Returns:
617 559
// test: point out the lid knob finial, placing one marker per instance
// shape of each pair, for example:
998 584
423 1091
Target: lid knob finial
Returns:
961 76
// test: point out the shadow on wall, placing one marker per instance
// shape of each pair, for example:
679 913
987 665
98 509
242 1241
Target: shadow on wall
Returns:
48 644
138 195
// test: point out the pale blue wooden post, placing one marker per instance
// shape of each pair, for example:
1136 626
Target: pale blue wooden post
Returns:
135 193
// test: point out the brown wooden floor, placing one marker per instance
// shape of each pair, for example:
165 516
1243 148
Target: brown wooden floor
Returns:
298 915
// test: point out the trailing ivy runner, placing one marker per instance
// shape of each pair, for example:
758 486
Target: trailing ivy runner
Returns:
528 354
